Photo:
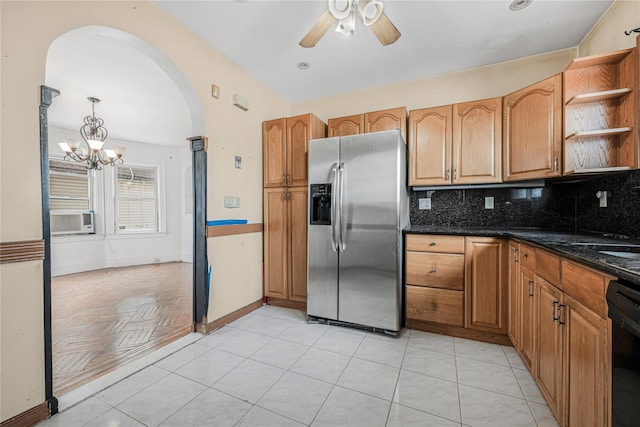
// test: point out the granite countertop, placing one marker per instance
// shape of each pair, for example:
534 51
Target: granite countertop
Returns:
563 242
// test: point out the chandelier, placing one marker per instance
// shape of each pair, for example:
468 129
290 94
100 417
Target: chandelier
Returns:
94 133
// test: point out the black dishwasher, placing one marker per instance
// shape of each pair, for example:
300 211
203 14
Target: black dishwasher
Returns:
624 311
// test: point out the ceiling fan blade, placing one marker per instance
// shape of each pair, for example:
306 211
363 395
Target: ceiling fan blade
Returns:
318 30
384 30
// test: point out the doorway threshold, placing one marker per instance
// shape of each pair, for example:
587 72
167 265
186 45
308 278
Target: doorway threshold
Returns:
81 393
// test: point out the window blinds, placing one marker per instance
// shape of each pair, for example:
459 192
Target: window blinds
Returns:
137 198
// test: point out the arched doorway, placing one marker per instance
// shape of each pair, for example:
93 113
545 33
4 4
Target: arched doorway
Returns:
146 99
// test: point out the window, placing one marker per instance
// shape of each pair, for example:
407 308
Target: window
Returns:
136 198
69 186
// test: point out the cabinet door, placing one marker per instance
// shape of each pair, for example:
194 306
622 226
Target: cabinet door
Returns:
297 198
345 126
274 147
430 146
588 366
515 310
275 242
477 142
526 288
435 305
549 345
298 135
395 118
532 137
486 284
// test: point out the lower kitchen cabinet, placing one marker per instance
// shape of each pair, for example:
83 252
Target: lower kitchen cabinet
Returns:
486 284
527 302
285 243
514 318
443 306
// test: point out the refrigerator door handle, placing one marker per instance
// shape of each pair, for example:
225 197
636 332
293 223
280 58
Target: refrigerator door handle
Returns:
343 224
334 197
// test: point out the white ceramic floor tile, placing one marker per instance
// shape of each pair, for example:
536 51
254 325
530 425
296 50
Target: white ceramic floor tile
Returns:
339 341
160 400
267 310
182 357
431 363
303 333
401 339
529 387
371 378
348 408
543 415
211 408
258 417
430 341
321 364
514 358
219 336
270 326
428 394
280 353
210 367
482 408
482 351
245 321
402 416
126 388
291 314
488 376
79 415
114 418
244 343
380 351
296 396
249 381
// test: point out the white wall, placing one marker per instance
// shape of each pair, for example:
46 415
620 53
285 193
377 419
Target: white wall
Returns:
106 248
608 33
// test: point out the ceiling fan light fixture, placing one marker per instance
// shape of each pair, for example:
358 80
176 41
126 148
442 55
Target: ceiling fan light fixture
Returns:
347 25
519 4
340 9
370 11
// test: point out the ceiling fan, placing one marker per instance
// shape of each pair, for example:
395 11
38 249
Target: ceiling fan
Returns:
345 12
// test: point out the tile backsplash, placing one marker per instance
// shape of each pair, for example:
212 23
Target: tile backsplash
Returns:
567 206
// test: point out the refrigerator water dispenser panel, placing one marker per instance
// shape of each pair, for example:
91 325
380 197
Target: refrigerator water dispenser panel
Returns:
320 204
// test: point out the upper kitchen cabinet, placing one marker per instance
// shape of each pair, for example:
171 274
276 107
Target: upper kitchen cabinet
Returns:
285 145
599 113
430 146
345 126
376 121
532 133
477 142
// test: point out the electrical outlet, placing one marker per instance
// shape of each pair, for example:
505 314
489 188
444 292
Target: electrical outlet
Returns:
424 204
488 202
231 202
238 162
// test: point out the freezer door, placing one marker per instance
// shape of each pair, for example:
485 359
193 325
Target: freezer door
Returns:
370 241
322 273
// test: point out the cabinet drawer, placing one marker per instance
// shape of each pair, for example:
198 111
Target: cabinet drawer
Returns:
435 305
585 285
435 243
548 267
435 270
528 256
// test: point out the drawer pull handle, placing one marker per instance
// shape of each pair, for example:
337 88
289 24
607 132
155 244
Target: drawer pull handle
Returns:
433 244
433 270
525 255
433 306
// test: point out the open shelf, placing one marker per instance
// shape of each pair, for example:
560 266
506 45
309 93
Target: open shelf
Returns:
599 96
598 170
601 132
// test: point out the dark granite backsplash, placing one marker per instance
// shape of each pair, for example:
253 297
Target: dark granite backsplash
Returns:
558 206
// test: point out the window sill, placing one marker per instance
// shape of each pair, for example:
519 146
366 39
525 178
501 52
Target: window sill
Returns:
138 235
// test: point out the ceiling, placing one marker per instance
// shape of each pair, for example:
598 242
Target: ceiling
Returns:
437 37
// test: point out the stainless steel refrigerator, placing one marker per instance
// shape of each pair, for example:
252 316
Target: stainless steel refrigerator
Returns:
358 206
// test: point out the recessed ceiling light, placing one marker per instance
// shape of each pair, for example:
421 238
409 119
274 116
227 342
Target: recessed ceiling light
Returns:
303 65
519 4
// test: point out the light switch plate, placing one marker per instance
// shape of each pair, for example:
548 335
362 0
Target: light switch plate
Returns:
238 162
231 202
488 202
424 204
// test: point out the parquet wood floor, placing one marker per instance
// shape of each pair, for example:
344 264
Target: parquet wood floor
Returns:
106 318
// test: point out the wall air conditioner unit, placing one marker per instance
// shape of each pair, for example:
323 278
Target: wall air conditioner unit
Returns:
72 222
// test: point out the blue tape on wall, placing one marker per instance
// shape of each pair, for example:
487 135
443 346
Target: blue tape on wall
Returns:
216 222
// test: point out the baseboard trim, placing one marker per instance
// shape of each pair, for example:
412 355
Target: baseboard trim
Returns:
456 331
28 250
28 418
207 327
278 302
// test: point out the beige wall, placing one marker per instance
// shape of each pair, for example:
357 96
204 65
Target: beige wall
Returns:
27 30
608 34
478 83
